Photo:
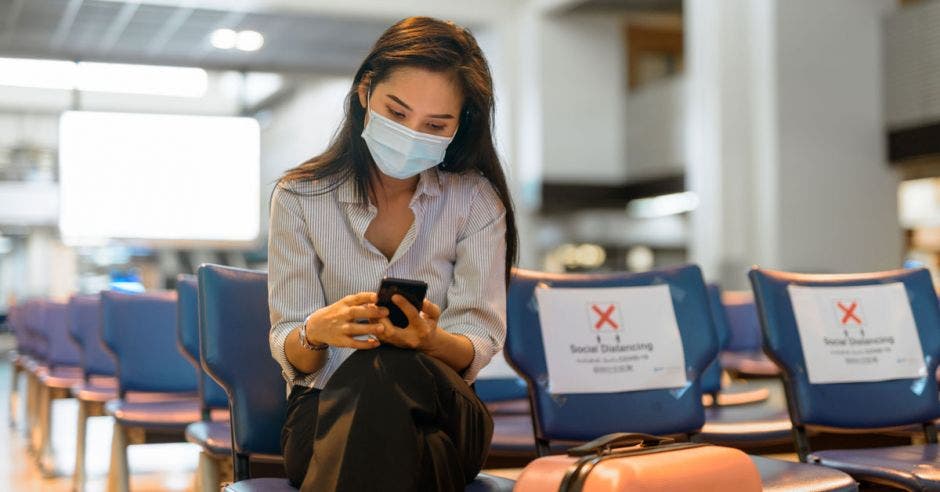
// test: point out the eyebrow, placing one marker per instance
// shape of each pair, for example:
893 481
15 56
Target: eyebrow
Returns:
435 116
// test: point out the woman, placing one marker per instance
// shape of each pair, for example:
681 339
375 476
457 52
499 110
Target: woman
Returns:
410 187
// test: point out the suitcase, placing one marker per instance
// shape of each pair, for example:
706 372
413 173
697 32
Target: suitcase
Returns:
641 463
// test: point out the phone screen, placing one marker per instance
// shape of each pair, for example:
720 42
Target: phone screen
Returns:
413 290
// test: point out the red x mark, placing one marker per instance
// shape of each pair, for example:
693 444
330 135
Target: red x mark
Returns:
604 317
849 313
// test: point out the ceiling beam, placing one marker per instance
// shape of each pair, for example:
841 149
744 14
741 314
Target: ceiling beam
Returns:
117 27
172 25
65 24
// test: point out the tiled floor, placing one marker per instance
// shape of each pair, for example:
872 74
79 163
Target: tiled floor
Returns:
160 467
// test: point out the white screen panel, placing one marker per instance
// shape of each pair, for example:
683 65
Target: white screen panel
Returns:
158 177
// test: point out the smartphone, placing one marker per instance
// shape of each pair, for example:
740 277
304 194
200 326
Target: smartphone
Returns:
413 290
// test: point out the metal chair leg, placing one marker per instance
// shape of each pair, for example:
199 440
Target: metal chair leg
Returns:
15 393
118 479
208 473
78 477
46 452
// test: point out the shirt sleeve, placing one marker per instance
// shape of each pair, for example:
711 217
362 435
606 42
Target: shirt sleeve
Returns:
476 298
294 289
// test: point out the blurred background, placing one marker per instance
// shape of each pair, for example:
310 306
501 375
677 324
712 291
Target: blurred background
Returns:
139 139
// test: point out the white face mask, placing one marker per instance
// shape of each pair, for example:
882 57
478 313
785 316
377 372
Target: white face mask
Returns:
399 151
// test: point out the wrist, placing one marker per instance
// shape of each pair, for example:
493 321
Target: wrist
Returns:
308 339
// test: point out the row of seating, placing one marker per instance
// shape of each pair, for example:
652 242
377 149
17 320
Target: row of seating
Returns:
195 362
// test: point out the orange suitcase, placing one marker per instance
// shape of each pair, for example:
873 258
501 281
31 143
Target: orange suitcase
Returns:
641 463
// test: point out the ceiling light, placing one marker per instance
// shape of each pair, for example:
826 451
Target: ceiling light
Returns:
249 41
42 74
224 39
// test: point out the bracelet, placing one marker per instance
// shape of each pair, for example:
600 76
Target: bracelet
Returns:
306 344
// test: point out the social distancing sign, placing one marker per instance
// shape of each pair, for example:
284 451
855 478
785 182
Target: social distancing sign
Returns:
610 340
857 334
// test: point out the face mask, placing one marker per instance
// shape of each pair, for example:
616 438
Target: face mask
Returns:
399 151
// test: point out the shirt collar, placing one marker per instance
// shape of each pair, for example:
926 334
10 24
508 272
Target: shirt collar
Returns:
429 183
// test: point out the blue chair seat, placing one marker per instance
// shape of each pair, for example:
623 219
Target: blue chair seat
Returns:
97 390
483 483
749 363
914 467
160 415
214 437
60 377
509 407
779 476
747 425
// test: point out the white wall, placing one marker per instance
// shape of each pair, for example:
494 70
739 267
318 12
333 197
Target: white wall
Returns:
835 186
784 143
299 130
583 89
655 130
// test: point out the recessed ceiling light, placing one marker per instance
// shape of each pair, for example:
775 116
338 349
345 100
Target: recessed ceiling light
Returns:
249 41
224 39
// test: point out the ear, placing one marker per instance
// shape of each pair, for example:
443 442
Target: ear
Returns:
363 91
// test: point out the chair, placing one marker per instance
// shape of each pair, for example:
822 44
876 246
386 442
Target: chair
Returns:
503 395
156 386
56 375
585 416
857 406
234 328
98 384
212 432
740 415
743 356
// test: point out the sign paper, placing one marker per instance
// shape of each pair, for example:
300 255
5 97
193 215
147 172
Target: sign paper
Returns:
610 340
856 334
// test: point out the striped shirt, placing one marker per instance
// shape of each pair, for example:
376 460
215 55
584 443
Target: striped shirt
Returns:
318 254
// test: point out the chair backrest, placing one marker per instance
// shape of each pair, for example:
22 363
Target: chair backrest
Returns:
17 325
38 342
743 325
187 333
233 336
711 377
858 404
585 416
62 349
85 327
140 330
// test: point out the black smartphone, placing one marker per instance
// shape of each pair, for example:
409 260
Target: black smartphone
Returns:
413 290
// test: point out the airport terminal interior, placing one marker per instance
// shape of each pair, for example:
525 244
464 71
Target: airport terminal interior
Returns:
713 221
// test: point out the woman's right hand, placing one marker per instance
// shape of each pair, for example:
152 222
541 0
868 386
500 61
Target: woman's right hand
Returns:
336 324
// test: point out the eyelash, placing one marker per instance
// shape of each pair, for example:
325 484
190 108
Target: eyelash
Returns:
400 115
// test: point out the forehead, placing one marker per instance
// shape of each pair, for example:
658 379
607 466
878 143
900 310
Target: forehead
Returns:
424 90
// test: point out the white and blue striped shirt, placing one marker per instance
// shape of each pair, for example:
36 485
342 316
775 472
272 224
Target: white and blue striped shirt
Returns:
318 253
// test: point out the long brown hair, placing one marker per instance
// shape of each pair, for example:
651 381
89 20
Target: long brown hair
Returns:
439 46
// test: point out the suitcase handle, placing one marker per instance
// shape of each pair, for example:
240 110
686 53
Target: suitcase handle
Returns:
606 444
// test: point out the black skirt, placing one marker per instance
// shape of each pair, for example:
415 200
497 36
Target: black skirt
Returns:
389 419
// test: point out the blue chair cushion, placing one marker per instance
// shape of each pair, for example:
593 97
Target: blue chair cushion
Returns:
764 426
910 467
60 377
98 390
160 415
261 485
214 437
510 407
779 476
749 364
483 483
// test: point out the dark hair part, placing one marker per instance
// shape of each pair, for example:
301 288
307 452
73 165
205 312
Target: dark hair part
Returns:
439 46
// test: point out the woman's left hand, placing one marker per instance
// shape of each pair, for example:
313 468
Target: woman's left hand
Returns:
422 326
